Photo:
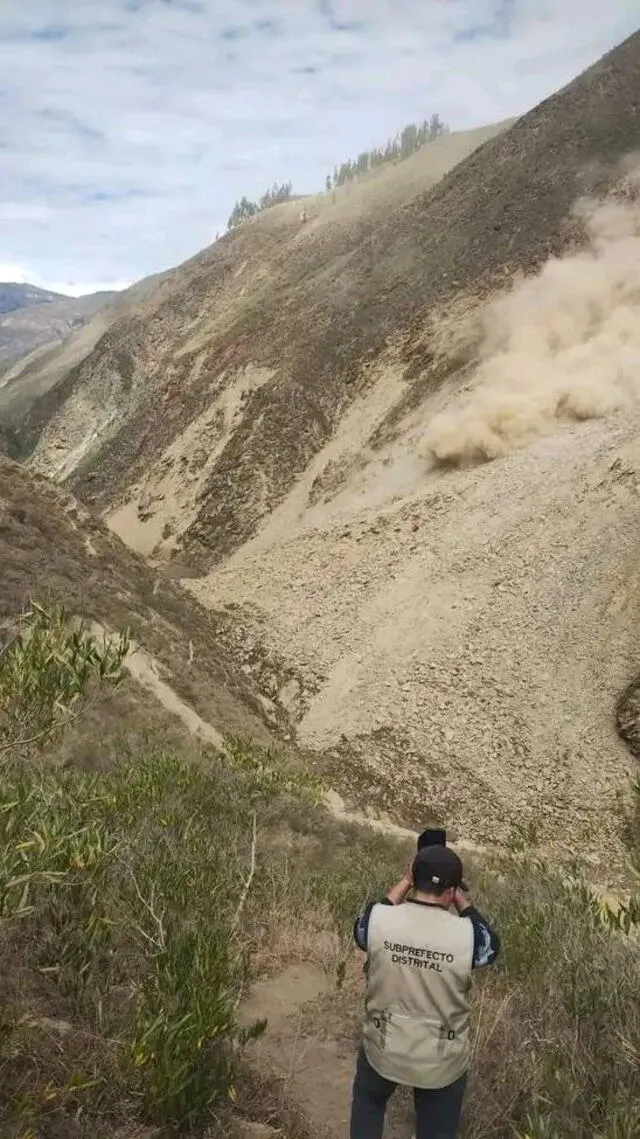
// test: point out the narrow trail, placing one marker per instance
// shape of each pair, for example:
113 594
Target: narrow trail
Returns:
312 1065
146 670
336 806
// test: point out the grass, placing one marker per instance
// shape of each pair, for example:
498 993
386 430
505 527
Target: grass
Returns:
137 903
557 1046
631 826
122 899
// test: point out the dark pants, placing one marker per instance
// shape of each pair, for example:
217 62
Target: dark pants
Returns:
437 1109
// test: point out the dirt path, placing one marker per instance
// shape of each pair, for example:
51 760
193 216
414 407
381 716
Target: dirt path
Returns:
310 1047
145 670
305 1048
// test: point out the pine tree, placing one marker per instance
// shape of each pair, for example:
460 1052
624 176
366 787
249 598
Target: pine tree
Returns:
246 209
409 140
436 127
412 138
241 211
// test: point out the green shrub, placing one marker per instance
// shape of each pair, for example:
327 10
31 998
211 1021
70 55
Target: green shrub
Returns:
126 890
136 880
131 900
48 672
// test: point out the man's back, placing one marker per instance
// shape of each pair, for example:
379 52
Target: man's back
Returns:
418 986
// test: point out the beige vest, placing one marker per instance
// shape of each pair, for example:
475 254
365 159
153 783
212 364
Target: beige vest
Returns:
418 987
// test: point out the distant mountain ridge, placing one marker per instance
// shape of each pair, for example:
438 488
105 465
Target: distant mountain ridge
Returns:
16 296
32 318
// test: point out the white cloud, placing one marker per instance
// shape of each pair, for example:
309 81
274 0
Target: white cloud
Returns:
129 127
26 275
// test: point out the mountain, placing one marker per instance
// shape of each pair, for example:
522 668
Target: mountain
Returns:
297 422
28 378
155 319
31 318
15 296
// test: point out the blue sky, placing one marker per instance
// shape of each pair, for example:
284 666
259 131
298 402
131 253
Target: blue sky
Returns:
129 127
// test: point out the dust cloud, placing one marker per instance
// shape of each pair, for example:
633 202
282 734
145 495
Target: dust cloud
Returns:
562 345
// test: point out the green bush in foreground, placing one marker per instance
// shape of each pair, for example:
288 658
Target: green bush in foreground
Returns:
49 670
126 891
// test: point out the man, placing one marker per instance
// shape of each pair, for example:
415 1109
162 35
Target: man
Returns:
420 956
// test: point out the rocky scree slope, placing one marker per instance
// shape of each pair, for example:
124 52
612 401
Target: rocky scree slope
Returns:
310 309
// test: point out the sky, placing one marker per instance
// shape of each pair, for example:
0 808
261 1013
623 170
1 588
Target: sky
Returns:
128 128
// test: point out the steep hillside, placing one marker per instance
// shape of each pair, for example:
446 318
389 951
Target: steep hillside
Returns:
300 416
294 316
32 318
188 343
51 547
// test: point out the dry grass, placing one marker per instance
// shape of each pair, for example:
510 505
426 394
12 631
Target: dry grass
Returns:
558 1024
129 899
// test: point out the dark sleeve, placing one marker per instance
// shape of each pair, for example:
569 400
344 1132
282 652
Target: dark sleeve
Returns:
486 943
361 926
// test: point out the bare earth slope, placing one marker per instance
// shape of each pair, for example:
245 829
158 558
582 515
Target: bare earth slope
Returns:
308 405
308 309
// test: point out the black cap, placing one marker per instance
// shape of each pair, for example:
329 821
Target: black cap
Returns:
437 866
433 836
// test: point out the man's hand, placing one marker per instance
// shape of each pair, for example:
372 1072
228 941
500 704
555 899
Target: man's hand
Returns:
460 901
398 893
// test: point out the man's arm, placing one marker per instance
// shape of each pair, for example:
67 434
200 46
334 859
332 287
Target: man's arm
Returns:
395 896
486 943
